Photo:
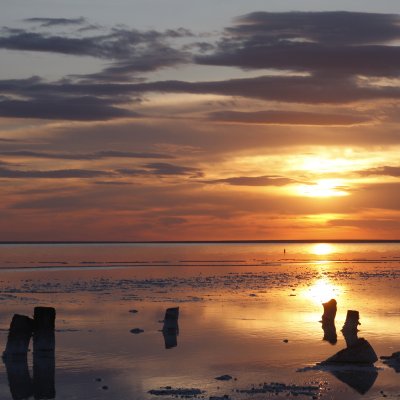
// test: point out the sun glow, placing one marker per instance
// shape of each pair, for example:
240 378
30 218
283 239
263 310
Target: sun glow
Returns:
321 249
322 291
323 188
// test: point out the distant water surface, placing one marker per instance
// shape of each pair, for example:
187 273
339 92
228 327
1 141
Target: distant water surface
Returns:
249 310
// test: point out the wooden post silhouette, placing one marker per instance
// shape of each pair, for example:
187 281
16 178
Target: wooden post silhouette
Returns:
330 308
44 352
43 329
170 328
19 336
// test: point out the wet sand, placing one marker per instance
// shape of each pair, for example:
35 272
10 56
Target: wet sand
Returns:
259 324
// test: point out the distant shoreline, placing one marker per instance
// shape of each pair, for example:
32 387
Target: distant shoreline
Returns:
344 241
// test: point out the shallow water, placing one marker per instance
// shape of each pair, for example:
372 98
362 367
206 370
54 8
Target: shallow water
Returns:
248 310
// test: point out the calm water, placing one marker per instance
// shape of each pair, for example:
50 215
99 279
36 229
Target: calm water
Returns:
248 310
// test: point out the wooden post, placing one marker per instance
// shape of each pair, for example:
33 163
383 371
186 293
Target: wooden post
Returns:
330 308
350 327
43 329
170 328
19 336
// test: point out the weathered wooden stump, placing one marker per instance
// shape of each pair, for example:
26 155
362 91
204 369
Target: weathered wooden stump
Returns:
43 329
330 308
170 328
19 380
19 336
352 321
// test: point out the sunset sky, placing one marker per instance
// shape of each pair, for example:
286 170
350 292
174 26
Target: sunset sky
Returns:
199 120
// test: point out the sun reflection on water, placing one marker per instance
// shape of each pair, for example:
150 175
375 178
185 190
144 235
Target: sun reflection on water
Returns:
321 249
322 290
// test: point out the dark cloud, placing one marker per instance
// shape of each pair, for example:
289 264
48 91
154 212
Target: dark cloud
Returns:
53 174
47 22
141 50
297 89
81 108
151 169
98 155
265 180
171 169
171 221
112 183
328 42
162 169
384 171
287 117
367 223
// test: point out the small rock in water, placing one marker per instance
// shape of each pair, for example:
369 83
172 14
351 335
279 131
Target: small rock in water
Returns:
133 311
183 392
98 379
105 387
392 361
223 378
136 331
286 340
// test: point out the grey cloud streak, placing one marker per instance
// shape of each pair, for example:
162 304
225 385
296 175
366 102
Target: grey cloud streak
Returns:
287 117
265 180
48 22
98 155
78 108
383 171
150 169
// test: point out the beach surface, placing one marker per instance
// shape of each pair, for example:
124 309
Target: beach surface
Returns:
249 315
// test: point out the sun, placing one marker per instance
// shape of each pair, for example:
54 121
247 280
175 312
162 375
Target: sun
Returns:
323 188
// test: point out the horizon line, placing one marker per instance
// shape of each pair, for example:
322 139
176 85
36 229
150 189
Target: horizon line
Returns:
201 241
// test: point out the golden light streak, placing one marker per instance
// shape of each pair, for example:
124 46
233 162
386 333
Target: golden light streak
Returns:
323 188
322 291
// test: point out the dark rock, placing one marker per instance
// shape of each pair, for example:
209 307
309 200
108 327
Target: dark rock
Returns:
392 361
133 311
169 391
361 352
223 378
136 331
